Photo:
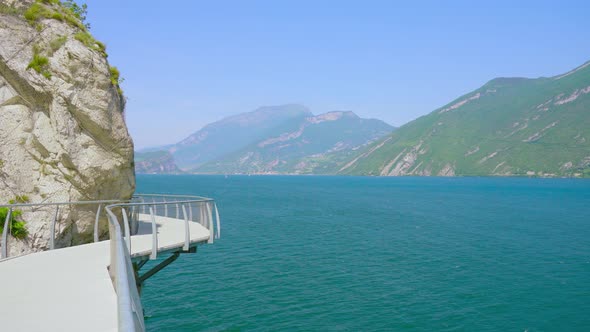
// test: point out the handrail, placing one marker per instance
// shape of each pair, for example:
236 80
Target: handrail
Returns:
130 312
129 308
176 200
64 203
193 197
207 220
51 243
96 220
119 271
5 233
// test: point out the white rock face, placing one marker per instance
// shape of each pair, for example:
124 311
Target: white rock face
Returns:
63 138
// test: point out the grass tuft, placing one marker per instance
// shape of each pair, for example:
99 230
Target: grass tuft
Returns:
116 79
57 16
115 75
36 12
39 63
19 199
67 11
87 39
9 10
18 226
57 43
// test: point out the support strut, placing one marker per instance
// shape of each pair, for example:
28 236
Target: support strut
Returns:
157 268
139 280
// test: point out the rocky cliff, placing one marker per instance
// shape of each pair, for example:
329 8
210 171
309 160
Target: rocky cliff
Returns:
63 135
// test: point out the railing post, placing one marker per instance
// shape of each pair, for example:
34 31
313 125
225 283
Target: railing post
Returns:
202 217
187 234
190 211
52 229
177 211
133 218
135 214
210 223
5 234
165 207
154 253
142 206
96 222
218 221
126 227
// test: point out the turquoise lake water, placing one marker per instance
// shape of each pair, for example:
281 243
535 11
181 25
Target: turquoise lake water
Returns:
380 254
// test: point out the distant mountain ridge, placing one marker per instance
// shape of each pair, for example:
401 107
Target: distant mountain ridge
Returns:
508 127
155 162
230 134
271 139
301 147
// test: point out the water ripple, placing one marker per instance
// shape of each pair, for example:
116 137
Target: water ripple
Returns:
380 254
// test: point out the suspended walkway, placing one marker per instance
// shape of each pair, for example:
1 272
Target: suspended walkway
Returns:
95 286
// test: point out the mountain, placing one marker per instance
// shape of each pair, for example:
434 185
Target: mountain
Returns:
302 146
233 133
272 139
155 162
508 127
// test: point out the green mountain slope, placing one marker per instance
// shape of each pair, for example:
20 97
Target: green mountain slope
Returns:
306 146
509 126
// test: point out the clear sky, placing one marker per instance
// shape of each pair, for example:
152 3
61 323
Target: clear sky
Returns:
188 63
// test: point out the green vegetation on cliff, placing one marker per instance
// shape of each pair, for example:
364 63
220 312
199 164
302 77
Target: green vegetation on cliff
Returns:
67 11
18 227
40 64
72 14
116 78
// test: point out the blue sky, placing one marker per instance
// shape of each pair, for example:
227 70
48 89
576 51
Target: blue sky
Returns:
188 63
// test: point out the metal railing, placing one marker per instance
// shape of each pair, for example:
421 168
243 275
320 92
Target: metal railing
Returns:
43 210
198 209
188 209
167 206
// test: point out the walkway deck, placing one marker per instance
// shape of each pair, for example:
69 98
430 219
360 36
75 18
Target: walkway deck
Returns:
70 289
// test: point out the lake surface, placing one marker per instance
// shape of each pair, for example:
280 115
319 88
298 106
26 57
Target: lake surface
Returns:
380 254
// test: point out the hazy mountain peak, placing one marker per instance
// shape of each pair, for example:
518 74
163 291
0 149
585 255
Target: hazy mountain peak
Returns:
332 116
266 113
234 132
270 139
266 117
